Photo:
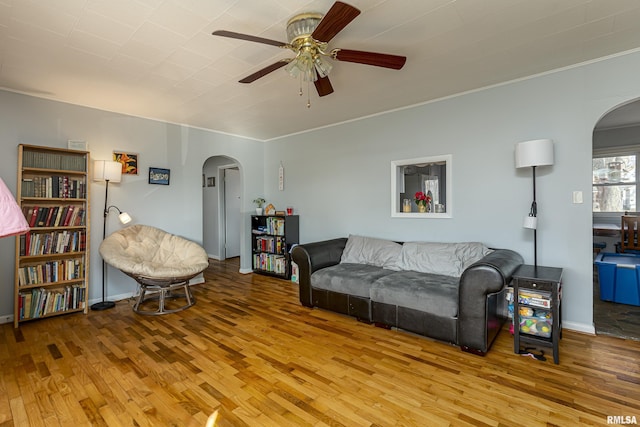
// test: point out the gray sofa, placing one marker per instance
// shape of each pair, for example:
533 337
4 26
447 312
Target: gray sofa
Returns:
451 292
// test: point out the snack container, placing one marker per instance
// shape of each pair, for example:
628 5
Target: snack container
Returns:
537 326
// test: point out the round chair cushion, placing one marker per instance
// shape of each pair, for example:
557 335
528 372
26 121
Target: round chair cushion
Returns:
142 250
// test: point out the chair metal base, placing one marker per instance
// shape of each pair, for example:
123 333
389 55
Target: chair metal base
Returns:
162 293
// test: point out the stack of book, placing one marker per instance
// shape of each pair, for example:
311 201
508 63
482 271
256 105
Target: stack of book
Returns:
59 187
54 216
50 272
41 302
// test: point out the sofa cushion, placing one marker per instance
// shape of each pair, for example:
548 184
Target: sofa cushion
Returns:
348 278
450 259
372 251
470 252
433 293
430 257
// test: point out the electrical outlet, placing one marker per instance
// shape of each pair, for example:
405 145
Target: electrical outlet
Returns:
577 197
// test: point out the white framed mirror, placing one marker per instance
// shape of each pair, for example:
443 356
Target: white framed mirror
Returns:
431 176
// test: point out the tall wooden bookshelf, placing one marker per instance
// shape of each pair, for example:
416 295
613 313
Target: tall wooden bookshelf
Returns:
52 259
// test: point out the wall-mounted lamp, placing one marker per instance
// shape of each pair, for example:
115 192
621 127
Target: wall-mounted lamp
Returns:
538 152
108 171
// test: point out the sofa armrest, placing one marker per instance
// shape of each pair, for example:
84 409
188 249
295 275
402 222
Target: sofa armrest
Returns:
311 257
477 315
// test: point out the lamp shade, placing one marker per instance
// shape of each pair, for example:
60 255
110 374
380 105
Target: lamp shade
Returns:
124 218
538 152
12 221
530 222
105 170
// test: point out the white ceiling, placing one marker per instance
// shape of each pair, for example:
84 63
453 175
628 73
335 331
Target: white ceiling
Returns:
158 59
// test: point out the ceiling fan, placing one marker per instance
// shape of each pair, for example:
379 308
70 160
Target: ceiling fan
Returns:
309 35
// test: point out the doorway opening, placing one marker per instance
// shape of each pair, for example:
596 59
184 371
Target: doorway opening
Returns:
616 180
222 202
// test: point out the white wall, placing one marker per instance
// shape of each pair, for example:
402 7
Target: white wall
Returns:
338 178
176 208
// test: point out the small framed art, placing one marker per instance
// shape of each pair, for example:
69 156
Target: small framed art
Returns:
129 162
159 176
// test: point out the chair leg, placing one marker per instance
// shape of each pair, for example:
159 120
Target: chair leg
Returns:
162 293
161 296
187 294
142 289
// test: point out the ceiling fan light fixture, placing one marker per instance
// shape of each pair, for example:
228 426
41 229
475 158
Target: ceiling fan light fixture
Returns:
302 25
322 66
309 65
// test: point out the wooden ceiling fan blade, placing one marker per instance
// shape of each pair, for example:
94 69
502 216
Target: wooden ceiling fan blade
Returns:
338 17
266 70
370 58
323 86
247 37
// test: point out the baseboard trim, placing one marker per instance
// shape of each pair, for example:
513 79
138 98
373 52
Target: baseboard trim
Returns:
579 327
245 271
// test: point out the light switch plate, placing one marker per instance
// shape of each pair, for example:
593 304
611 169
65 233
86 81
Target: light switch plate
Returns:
577 197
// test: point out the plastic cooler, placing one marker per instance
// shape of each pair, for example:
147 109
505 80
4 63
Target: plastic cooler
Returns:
619 276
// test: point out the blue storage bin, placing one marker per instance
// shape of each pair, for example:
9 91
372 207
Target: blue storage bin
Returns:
619 276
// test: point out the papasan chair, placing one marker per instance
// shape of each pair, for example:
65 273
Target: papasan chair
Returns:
162 264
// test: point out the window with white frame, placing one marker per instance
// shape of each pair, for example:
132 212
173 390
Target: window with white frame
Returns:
615 182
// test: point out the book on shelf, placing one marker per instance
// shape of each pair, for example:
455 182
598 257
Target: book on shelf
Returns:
33 216
69 214
42 213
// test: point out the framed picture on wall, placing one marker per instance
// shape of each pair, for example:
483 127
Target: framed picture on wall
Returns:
159 176
77 145
129 162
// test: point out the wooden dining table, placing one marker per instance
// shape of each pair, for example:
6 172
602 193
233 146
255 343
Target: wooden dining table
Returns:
606 230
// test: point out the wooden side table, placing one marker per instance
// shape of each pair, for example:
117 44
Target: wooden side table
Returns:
537 291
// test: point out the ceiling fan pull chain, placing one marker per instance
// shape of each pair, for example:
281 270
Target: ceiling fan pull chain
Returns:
308 95
300 93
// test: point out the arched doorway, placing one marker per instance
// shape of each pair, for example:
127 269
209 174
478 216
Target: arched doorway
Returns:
616 179
221 203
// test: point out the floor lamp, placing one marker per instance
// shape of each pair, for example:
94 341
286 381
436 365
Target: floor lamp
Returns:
538 152
108 171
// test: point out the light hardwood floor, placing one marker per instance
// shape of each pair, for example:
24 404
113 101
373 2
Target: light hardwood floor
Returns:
250 350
